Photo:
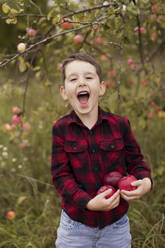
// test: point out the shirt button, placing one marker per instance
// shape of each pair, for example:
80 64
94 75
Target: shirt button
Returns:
93 150
112 146
96 168
91 132
74 147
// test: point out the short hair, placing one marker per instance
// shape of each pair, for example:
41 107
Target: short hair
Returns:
81 57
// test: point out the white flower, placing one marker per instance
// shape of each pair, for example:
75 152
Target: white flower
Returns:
124 7
5 148
1 146
14 160
5 154
105 3
20 166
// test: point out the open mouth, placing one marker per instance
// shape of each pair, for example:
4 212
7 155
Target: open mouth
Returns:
83 97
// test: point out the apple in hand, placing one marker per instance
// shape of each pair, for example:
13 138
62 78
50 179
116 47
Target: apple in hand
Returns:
104 188
125 183
112 178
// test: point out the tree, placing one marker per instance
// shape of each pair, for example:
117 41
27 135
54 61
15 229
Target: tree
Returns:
126 37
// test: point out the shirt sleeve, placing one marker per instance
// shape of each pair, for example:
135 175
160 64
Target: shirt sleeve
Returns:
62 176
134 158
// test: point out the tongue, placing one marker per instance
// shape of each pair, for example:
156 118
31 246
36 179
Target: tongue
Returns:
83 99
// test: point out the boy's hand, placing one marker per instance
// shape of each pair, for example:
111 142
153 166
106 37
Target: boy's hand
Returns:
143 186
100 203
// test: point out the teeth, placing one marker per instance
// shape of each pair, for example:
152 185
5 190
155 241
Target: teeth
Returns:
82 93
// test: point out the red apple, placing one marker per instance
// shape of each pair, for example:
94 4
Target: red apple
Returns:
98 40
125 183
104 188
133 66
144 82
65 24
16 110
78 38
130 61
60 66
31 32
11 215
9 127
112 178
142 30
104 57
154 7
22 145
154 36
112 73
16 119
112 85
149 115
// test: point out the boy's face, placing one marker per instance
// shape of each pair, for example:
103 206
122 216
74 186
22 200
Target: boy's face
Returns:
82 87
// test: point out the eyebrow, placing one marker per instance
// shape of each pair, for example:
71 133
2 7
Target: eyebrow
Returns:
74 74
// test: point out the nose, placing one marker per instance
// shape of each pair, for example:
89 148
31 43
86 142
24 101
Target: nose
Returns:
82 82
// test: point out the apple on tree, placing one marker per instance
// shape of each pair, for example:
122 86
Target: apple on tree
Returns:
31 32
78 38
66 24
125 183
98 40
16 110
21 47
11 215
16 119
104 188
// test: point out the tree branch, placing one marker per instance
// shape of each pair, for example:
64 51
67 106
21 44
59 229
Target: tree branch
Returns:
115 5
35 5
41 42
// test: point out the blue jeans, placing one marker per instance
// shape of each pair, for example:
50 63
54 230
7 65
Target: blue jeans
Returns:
73 234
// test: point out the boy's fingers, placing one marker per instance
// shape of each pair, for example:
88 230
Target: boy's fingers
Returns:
106 192
115 195
136 183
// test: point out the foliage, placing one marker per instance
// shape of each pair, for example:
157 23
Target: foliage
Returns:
128 40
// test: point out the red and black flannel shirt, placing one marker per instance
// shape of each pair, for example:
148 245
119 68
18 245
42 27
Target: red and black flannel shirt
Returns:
81 157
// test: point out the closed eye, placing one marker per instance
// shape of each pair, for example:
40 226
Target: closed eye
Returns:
88 77
73 79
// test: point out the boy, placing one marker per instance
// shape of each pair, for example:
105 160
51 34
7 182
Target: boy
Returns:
87 144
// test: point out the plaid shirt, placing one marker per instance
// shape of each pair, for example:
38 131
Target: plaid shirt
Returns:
81 157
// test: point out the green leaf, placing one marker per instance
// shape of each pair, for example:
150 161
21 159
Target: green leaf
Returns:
133 10
11 20
5 8
51 14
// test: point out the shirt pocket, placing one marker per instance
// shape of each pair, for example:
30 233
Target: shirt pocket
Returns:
112 153
74 146
77 151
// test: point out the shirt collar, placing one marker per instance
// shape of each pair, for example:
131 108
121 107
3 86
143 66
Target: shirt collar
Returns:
102 115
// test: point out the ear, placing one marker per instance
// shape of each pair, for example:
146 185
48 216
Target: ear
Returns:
102 88
63 93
